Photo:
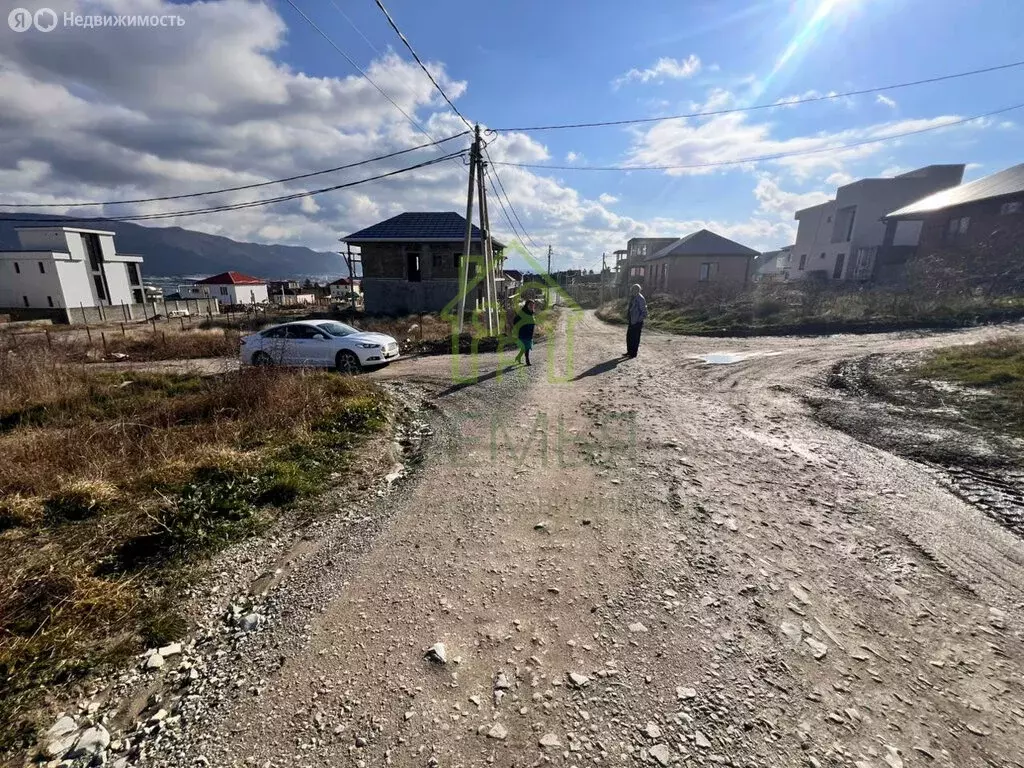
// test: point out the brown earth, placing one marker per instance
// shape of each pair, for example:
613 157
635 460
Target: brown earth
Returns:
737 583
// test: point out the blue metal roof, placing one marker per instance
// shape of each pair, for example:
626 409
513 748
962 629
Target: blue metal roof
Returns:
438 226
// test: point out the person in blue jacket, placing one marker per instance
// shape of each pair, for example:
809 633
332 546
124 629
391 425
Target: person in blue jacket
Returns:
525 326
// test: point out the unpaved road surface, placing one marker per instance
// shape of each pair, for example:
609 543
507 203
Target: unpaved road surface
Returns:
660 562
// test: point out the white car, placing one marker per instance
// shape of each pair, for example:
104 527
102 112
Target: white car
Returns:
319 344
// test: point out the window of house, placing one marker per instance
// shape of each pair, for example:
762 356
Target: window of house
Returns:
49 300
92 247
708 272
25 299
224 291
437 259
97 281
42 268
958 226
17 268
137 296
133 274
823 254
803 261
1007 209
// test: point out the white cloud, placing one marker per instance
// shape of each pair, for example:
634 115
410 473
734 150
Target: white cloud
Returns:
733 137
572 157
208 105
881 98
773 199
838 179
664 69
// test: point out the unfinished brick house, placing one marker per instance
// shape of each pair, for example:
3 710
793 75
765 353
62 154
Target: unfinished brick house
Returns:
411 262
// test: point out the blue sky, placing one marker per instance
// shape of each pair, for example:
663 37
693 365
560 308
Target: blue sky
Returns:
526 63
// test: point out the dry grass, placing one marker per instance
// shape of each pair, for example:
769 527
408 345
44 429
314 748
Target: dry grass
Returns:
138 343
112 483
795 308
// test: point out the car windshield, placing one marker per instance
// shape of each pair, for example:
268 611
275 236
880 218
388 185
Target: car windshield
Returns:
337 329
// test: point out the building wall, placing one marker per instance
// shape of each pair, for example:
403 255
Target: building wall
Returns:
117 281
382 296
682 273
823 233
988 227
76 283
243 294
389 260
814 238
21 280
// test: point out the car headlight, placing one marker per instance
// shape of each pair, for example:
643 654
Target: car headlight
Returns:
370 346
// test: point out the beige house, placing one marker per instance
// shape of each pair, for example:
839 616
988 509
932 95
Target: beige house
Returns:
697 260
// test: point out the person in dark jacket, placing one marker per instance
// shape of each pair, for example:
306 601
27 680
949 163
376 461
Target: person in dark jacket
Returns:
525 327
636 313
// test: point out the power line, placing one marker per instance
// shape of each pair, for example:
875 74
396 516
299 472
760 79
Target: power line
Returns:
249 204
775 105
761 158
509 199
236 189
511 226
358 69
419 61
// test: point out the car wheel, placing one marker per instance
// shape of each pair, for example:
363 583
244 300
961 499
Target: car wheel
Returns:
262 359
347 362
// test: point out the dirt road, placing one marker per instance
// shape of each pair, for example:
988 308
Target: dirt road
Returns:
662 561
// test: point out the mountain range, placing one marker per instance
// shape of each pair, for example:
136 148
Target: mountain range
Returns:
173 251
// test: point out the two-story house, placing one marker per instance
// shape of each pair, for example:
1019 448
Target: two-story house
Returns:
841 239
68 267
411 262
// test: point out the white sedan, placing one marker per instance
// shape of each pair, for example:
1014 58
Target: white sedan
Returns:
319 344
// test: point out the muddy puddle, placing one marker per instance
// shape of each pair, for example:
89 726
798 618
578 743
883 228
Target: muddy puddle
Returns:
728 358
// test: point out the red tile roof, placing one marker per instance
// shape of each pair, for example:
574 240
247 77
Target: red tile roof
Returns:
231 278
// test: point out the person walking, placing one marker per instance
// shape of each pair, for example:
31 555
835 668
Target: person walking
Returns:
525 328
636 313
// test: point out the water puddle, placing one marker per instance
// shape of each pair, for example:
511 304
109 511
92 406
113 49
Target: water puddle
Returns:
728 358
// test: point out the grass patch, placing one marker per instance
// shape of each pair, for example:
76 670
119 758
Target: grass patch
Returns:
793 310
995 371
115 485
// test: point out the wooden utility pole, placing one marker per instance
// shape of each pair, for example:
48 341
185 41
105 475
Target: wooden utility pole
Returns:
474 158
351 275
603 255
487 248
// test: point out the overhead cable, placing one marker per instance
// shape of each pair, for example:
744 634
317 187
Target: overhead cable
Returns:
241 206
239 188
775 105
762 158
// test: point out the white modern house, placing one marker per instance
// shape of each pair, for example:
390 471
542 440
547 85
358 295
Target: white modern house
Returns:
228 288
68 268
840 239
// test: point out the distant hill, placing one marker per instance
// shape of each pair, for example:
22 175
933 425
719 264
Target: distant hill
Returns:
169 251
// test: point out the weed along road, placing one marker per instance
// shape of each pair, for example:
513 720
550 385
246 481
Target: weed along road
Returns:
663 560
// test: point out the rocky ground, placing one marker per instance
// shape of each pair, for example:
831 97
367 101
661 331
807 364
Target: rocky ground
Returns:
659 561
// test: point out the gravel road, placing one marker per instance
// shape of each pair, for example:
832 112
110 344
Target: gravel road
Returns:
662 561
